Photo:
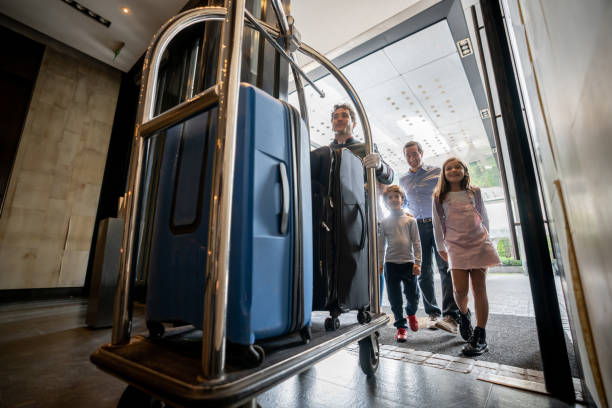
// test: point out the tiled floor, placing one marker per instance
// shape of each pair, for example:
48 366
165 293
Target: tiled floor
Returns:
338 382
532 380
44 362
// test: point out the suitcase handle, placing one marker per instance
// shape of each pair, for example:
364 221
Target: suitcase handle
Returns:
284 218
363 227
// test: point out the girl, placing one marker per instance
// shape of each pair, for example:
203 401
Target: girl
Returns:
460 229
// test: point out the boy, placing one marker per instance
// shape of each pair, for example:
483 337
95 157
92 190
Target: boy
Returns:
402 260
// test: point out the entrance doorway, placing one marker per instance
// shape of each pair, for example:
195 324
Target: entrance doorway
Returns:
423 80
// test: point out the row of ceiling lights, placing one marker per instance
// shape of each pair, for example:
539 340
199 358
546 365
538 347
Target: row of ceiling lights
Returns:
104 21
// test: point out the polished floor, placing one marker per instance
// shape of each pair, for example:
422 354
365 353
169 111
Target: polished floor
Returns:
44 362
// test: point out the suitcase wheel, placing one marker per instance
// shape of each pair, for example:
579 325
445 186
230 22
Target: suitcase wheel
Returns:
156 329
332 323
364 317
306 334
246 356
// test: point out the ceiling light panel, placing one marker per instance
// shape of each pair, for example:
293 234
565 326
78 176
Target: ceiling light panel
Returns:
415 89
370 71
421 48
442 88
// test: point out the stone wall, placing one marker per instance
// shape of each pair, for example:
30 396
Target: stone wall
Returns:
49 214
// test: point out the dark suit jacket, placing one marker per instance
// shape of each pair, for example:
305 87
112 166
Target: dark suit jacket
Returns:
384 175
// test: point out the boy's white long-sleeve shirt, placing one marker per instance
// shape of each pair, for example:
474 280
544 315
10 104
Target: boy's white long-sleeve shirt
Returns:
401 234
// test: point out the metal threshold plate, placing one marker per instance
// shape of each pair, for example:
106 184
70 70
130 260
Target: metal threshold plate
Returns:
170 368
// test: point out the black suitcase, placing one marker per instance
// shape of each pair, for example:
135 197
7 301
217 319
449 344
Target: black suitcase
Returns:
340 248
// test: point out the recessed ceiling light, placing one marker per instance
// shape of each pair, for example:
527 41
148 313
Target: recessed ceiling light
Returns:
87 12
126 10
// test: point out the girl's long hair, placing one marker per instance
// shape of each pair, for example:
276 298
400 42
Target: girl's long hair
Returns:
443 185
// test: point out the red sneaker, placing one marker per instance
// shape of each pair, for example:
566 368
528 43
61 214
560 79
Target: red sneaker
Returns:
413 322
400 337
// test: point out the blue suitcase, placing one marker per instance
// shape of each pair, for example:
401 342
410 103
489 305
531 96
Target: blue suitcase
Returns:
270 276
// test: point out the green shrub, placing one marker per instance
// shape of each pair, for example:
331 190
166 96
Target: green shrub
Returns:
510 261
503 248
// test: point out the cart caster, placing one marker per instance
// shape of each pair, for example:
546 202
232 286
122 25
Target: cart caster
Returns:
306 334
156 329
369 350
246 356
250 404
332 323
364 317
132 397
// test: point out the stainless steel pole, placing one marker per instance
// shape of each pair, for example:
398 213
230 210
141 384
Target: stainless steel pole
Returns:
217 264
299 85
122 312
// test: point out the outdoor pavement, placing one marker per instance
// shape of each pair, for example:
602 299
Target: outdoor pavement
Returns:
509 294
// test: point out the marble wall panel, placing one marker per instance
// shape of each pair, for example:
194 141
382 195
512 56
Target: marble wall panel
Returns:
77 119
33 189
19 269
96 136
23 228
57 90
79 233
62 178
39 118
74 263
86 202
54 230
49 214
100 106
62 64
88 166
41 155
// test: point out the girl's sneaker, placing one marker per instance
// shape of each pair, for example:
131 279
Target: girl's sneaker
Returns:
413 322
400 336
465 325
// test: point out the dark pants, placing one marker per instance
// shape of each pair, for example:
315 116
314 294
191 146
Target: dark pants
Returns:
396 274
428 246
382 285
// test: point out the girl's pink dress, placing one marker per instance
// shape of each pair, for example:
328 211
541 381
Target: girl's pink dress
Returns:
467 239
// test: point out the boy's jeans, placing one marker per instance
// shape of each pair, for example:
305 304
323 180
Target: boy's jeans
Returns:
395 274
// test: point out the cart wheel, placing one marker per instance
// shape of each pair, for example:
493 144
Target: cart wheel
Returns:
362 317
306 334
156 329
368 317
132 397
336 323
368 354
329 324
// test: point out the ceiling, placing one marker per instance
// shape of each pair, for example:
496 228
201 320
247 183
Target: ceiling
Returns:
414 89
64 23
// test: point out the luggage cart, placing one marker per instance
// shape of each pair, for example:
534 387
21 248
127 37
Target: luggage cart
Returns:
187 367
